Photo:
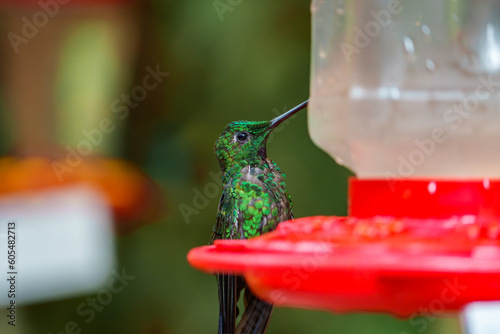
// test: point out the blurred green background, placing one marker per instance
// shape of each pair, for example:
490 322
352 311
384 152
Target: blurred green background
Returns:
251 64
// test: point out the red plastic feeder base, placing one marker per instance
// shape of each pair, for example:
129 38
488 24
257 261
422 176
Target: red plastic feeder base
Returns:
408 247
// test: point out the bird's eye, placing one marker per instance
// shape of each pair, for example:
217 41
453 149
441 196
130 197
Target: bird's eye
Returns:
242 137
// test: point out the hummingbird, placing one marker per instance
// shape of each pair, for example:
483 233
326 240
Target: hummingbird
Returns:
254 201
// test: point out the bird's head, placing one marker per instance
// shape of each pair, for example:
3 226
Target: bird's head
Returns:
246 140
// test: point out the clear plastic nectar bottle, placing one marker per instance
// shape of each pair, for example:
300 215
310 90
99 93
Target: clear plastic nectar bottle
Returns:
407 89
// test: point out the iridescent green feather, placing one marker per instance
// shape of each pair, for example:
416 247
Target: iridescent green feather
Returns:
254 199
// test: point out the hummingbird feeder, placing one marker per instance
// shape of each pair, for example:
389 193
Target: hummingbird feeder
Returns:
404 94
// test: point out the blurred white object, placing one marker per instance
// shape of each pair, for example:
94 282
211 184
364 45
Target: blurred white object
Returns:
407 88
64 243
482 318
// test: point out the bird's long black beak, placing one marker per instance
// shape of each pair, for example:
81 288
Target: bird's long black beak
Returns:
278 120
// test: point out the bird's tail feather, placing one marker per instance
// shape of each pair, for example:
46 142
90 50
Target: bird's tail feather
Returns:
227 303
256 316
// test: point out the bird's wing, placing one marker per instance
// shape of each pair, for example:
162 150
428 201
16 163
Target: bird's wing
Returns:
228 298
256 317
228 215
229 286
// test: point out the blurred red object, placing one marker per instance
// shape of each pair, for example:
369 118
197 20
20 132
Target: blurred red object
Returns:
133 197
408 247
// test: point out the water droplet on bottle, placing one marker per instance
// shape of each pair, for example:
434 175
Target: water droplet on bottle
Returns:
322 54
426 30
432 187
409 48
429 64
339 7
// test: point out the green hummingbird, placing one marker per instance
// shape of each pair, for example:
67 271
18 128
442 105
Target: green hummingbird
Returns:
254 201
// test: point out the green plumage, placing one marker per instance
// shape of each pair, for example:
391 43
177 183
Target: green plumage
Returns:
254 201
254 198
